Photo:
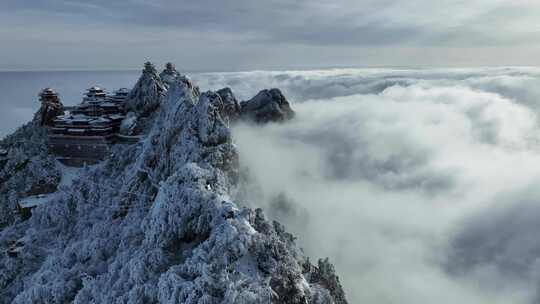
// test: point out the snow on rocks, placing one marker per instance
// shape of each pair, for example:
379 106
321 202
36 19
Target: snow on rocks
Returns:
129 124
169 75
146 96
26 170
154 224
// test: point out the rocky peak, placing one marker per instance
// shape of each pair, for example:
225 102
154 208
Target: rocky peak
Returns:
231 107
169 74
51 107
266 106
146 95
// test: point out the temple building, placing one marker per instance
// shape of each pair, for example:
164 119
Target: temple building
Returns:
94 94
85 133
97 115
119 96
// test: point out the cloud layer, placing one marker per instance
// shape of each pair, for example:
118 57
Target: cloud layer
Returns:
367 22
420 185
242 34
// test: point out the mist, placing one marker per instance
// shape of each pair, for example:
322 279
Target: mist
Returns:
419 185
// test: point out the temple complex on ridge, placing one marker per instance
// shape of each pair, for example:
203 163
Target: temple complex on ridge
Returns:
83 134
97 115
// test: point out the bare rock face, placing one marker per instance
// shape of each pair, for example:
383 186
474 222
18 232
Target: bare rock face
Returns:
49 112
154 223
267 106
231 107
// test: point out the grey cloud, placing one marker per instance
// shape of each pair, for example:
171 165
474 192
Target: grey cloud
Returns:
243 35
346 160
305 22
500 245
519 84
505 236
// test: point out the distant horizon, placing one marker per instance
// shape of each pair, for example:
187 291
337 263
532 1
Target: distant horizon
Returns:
283 69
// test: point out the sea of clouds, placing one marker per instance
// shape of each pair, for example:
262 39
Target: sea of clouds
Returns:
420 185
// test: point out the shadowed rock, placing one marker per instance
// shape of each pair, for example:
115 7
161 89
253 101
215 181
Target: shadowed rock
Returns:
231 107
51 107
267 106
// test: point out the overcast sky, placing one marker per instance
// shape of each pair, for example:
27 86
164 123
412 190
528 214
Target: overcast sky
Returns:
270 34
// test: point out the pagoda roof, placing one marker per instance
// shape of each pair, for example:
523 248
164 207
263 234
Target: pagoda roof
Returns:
95 94
75 130
122 91
48 92
116 116
95 89
80 117
99 120
108 104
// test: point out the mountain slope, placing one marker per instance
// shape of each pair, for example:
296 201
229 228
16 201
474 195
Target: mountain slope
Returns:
154 223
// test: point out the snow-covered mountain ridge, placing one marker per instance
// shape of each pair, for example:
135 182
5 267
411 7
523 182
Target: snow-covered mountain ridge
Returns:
156 222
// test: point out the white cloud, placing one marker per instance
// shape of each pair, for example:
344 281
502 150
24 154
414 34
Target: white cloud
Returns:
383 182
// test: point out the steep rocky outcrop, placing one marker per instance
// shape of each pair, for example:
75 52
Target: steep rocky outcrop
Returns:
231 107
146 95
51 107
154 223
267 106
169 74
